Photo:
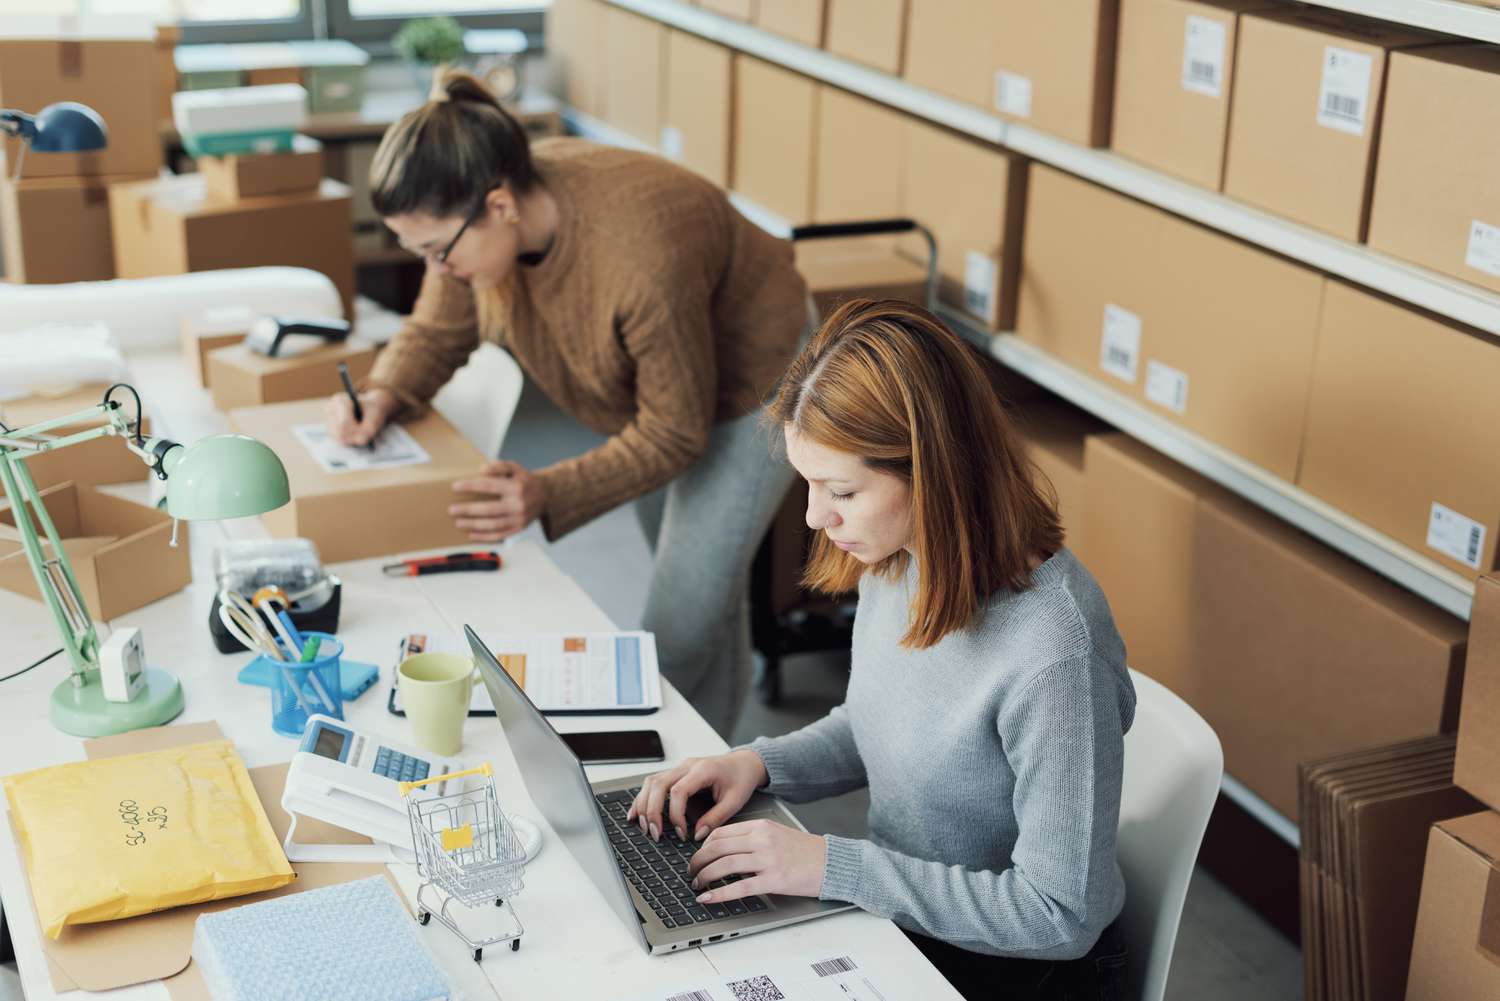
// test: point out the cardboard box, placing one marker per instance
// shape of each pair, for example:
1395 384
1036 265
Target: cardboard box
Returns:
56 229
575 31
775 128
371 512
1436 200
98 63
102 460
1048 65
1306 114
858 163
1056 433
872 32
1476 769
171 227
634 70
800 20
1208 332
209 330
1456 953
1173 78
232 178
837 271
1138 520
1298 652
698 105
119 550
740 10
166 40
978 235
1403 426
239 377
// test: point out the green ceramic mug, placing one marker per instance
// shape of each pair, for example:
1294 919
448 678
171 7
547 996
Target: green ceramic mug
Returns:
435 689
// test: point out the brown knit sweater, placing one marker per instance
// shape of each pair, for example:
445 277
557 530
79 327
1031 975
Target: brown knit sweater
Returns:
658 311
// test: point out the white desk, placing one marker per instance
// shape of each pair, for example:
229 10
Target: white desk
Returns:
575 946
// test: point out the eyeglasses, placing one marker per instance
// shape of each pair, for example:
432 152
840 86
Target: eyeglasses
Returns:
441 257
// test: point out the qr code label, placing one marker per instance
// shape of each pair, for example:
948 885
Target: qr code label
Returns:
756 989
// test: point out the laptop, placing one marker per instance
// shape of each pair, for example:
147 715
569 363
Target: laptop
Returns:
645 882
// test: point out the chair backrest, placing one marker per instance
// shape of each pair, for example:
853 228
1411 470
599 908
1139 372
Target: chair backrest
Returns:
481 397
1173 767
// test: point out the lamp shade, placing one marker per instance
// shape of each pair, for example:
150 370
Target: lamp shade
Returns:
224 476
68 127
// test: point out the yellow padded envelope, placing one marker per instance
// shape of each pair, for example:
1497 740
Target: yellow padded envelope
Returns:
116 837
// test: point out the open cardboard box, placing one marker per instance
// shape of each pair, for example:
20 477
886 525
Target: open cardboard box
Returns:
371 512
103 460
120 550
111 954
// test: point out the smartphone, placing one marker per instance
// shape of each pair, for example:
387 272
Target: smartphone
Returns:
615 747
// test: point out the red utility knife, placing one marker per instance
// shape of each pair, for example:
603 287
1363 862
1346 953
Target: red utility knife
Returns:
452 563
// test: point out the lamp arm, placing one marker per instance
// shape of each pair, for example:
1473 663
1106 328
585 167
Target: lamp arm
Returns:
55 580
17 123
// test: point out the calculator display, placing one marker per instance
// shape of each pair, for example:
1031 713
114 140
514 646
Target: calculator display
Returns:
330 743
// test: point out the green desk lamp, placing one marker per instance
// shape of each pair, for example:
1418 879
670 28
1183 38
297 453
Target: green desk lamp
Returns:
221 476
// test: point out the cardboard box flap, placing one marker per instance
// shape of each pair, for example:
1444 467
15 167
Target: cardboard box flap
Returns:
1480 834
107 955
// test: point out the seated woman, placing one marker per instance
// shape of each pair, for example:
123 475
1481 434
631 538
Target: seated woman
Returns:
988 694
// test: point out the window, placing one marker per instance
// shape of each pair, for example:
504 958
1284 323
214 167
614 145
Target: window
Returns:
368 21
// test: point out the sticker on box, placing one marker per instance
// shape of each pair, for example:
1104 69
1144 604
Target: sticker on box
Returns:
393 446
1484 248
671 142
1013 94
1452 534
1120 347
1167 386
1203 56
1344 96
981 273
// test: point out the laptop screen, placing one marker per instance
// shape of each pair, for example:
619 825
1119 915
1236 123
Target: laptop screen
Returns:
556 782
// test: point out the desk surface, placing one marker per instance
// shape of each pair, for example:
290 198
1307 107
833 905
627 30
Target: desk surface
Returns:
574 946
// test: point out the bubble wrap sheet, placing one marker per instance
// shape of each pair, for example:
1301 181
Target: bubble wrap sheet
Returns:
350 942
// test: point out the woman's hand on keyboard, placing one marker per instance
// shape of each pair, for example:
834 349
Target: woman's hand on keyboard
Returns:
759 857
732 779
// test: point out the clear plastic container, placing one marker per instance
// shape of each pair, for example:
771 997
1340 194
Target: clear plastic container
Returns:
246 565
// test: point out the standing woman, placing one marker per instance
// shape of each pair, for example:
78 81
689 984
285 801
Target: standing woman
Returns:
643 304
988 694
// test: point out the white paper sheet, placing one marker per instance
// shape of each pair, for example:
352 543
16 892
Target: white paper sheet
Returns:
827 978
393 446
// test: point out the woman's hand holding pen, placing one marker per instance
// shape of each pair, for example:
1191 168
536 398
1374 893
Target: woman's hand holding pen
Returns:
378 406
515 498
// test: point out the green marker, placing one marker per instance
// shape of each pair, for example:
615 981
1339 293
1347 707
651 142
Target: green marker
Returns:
310 649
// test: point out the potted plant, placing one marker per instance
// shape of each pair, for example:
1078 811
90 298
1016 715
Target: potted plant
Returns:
428 43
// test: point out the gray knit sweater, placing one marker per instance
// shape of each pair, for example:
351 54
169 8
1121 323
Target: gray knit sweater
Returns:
993 761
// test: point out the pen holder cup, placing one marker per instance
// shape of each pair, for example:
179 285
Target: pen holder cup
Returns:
299 690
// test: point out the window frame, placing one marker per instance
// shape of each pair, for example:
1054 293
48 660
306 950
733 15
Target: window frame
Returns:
375 32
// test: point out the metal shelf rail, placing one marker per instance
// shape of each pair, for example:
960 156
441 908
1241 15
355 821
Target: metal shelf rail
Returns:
1432 291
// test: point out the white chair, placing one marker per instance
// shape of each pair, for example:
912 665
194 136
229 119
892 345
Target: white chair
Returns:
1173 767
481 398
147 312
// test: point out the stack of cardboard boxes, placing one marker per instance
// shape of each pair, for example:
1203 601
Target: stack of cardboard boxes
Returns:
54 217
1456 953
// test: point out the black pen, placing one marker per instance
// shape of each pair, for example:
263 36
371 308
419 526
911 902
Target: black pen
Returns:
359 411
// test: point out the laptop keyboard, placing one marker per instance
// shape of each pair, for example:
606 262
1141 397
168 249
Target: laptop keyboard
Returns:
659 869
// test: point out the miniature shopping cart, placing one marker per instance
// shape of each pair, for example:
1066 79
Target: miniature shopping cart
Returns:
466 851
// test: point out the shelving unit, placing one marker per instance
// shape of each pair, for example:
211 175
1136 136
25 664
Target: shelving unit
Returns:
1419 286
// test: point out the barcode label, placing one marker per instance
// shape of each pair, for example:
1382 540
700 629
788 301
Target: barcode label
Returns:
981 274
1344 96
1120 346
1484 248
1013 94
1452 534
671 142
692 996
830 967
1203 56
1167 386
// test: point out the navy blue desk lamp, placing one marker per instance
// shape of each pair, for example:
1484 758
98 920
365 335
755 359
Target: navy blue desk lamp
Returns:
64 127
